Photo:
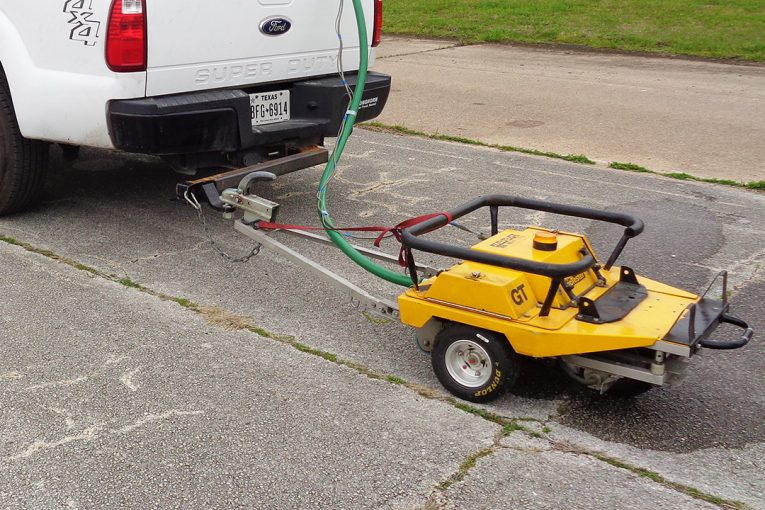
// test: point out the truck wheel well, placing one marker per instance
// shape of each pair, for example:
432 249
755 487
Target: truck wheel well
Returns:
4 83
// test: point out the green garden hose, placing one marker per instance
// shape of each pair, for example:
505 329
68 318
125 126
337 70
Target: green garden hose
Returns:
350 120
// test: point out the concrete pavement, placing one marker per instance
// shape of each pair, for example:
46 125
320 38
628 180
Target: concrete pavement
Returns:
669 115
111 395
116 399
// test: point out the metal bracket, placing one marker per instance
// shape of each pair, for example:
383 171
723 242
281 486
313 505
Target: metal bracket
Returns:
358 295
627 275
255 208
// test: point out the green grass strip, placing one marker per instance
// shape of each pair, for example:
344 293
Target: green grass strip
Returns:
730 29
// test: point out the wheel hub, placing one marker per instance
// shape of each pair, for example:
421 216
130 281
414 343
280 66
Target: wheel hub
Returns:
468 363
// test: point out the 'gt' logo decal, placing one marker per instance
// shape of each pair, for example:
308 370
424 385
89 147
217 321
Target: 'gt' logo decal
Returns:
84 29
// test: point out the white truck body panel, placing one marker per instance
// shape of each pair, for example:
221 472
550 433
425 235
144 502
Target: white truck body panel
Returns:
60 86
241 54
52 52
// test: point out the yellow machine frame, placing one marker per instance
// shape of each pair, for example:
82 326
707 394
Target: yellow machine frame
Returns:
544 294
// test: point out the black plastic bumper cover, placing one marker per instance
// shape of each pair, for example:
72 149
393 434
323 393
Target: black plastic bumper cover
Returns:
220 120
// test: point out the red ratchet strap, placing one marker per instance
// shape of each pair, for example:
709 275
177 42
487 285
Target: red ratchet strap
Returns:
396 231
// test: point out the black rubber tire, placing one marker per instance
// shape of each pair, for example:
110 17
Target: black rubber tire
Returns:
23 163
629 388
505 363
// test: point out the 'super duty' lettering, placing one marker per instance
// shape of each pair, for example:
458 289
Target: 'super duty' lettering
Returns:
223 74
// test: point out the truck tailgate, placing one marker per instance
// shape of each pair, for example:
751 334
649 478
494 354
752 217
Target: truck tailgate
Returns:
206 45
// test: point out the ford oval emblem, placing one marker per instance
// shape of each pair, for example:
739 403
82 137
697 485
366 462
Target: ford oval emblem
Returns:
275 26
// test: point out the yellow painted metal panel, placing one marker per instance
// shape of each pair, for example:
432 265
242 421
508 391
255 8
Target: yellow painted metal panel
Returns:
560 333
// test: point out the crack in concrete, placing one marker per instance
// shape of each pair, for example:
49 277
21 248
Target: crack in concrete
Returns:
391 205
439 500
11 376
649 475
68 417
374 187
95 431
127 380
56 384
86 435
151 418
194 248
420 52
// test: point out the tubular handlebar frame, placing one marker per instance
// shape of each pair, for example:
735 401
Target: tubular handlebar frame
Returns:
411 236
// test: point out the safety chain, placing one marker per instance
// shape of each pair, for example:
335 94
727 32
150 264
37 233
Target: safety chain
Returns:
193 202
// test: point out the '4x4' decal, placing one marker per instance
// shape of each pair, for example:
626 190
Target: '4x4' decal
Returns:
85 30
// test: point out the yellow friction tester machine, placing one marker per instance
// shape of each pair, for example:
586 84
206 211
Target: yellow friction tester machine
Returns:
543 294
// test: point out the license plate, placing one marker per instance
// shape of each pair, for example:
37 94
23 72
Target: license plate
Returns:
270 107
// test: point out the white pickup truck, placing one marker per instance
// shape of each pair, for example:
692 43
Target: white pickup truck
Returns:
216 84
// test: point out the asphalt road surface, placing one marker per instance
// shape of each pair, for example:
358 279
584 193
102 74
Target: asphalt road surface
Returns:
116 213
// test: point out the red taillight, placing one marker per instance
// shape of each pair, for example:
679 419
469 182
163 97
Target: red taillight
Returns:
126 37
377 34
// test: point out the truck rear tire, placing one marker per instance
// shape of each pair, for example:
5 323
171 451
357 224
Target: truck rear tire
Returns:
23 163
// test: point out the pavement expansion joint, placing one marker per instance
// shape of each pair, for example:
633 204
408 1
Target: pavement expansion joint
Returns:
727 504
226 320
431 50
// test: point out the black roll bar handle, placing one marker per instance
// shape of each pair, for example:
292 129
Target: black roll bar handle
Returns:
411 240
744 339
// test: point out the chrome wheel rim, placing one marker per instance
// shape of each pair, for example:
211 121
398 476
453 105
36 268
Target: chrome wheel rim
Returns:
468 363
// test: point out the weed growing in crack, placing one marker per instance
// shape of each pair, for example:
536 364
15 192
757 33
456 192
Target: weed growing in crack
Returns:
374 319
10 240
187 303
632 167
512 426
682 176
465 468
127 282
